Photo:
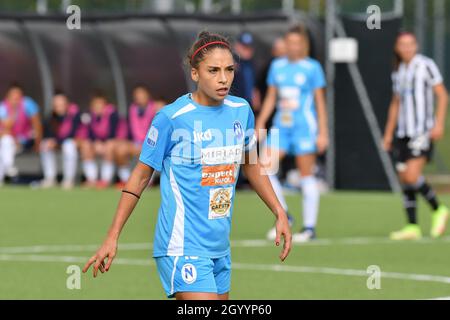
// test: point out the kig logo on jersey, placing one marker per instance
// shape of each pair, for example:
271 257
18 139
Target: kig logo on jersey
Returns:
202 136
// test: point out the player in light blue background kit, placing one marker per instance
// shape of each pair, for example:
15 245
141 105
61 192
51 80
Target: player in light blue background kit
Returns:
296 88
198 143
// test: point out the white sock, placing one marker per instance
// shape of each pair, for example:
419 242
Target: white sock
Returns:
8 147
311 197
48 161
107 172
124 173
70 160
90 170
276 185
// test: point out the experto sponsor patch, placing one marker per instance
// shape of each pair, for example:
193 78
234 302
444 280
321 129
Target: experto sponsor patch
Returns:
218 175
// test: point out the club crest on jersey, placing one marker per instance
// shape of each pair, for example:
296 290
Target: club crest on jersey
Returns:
152 137
189 273
300 79
238 131
220 203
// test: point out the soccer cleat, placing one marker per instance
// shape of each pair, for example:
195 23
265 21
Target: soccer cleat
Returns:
102 185
439 222
272 233
305 235
67 185
89 184
12 172
410 232
47 184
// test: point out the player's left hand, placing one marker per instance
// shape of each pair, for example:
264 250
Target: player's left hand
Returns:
322 143
437 133
283 230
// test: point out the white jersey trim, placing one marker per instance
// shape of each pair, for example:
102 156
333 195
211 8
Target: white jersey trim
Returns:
186 109
234 104
172 286
176 243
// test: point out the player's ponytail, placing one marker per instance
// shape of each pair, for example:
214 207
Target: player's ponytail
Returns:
205 42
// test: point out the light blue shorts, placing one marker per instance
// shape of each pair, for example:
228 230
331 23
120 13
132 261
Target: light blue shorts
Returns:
293 141
194 274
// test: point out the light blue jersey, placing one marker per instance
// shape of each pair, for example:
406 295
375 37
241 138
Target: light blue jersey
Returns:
296 116
198 150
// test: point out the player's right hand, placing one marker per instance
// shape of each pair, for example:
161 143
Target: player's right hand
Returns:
107 250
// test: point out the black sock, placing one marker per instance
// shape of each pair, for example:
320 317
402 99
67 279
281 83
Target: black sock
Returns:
427 192
410 203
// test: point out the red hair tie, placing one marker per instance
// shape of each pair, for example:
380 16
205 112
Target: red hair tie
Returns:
207 45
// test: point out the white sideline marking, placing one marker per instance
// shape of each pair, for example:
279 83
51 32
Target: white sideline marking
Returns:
240 266
440 298
237 243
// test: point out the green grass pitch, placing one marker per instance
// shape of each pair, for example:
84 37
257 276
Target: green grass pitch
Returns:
42 232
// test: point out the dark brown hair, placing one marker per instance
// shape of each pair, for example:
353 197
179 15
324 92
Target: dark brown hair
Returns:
99 94
14 85
141 86
194 56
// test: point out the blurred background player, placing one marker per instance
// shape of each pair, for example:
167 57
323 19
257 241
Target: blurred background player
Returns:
296 86
140 116
20 128
100 140
416 79
244 84
60 131
278 51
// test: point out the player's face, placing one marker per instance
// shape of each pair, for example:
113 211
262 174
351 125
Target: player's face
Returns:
60 105
14 96
214 75
406 47
295 46
97 105
141 96
279 48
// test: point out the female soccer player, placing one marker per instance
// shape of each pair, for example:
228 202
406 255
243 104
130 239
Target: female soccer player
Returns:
197 143
416 79
60 131
20 128
140 116
100 141
296 87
